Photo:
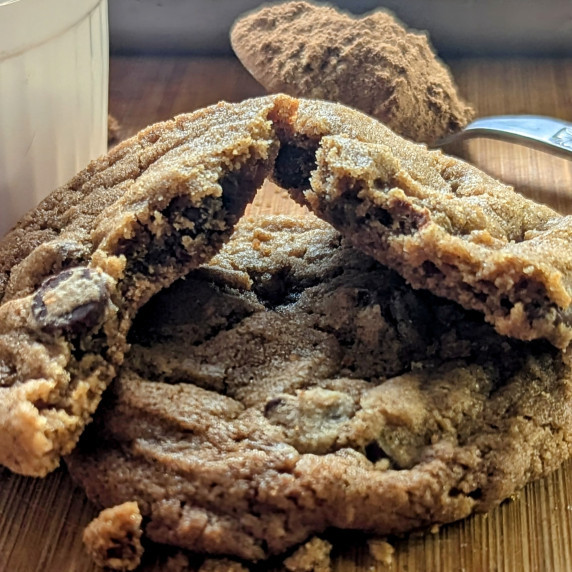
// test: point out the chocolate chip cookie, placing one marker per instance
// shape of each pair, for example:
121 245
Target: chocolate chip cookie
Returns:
113 538
440 222
372 63
74 271
295 384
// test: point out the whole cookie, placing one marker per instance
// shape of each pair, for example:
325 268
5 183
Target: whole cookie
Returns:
372 63
74 271
294 384
440 222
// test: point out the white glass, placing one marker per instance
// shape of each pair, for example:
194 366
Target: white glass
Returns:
54 59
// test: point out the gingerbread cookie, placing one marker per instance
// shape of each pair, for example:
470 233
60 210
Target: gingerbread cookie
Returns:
295 384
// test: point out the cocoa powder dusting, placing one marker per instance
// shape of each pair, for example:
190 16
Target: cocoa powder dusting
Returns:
372 63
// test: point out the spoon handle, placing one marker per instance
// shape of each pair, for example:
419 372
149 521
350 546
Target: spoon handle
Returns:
542 133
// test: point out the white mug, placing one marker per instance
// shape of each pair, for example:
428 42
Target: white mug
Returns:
54 57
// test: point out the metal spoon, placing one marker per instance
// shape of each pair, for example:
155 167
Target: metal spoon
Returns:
543 133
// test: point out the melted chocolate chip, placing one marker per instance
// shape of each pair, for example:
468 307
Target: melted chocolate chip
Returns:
271 405
71 302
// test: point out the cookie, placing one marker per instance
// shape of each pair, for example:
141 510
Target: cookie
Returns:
294 384
372 63
113 130
440 222
74 271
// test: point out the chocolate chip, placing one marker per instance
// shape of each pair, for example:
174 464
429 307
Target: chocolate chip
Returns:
271 405
72 302
363 298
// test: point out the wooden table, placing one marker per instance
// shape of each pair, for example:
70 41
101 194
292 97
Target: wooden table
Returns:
41 521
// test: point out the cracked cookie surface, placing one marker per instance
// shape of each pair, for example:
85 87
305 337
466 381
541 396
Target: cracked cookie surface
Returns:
74 271
294 384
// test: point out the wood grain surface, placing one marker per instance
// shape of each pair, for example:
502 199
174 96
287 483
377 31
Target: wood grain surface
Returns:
41 521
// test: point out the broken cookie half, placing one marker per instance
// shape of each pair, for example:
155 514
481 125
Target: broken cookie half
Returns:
441 223
294 384
75 270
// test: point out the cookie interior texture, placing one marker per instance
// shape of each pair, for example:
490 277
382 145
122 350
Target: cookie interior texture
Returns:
75 270
295 384
372 63
440 222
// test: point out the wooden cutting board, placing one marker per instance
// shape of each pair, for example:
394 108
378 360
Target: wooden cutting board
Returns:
41 521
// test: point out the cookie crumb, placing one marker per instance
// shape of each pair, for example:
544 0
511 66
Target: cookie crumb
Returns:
314 556
381 550
113 538
222 565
